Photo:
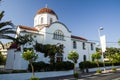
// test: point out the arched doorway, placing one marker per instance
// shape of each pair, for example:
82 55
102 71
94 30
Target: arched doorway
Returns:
58 57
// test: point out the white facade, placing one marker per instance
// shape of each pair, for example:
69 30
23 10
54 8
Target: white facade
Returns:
48 30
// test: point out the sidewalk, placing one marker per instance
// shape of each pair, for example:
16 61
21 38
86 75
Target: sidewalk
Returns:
58 75
26 76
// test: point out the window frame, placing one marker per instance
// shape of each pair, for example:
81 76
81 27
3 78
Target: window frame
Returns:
58 35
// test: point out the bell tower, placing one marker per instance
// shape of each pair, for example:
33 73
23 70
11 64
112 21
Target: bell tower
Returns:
44 17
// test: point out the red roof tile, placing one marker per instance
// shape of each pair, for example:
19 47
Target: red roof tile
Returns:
46 10
28 28
77 37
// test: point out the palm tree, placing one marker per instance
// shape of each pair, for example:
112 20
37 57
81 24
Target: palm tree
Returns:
6 28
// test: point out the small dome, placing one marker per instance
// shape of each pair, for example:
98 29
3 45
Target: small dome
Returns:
46 10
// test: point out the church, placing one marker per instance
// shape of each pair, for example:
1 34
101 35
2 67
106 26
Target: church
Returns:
48 30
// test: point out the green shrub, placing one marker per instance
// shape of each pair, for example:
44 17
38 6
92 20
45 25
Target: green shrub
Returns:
19 71
76 75
99 71
64 65
113 69
38 66
89 64
51 67
4 72
41 66
59 66
34 78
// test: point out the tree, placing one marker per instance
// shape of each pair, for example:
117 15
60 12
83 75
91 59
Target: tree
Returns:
116 57
96 56
119 42
6 28
31 57
74 56
49 50
21 40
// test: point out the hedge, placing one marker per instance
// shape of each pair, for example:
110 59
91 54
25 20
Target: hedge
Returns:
89 64
59 66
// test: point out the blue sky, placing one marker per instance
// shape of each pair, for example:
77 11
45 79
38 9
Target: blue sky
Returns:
82 17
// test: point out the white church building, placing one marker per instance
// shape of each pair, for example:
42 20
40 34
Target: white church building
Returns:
48 30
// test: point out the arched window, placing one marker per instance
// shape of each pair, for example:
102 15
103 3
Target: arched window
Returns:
74 45
58 35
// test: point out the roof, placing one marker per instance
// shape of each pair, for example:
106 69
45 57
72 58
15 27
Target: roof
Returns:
47 10
13 46
28 28
77 37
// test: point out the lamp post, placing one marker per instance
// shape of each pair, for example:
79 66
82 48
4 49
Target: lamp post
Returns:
101 28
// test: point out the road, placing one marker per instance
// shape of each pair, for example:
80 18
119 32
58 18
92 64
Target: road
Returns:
103 76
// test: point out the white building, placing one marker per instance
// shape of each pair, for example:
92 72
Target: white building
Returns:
48 30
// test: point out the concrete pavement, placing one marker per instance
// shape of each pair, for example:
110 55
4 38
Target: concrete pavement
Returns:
59 75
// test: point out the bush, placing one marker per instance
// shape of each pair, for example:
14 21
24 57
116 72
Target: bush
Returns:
113 69
89 64
34 78
41 66
64 66
76 75
19 71
38 66
4 72
51 67
99 71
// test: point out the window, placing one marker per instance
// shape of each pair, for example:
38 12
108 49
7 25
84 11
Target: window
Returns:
83 46
74 45
51 20
41 20
84 57
58 35
91 46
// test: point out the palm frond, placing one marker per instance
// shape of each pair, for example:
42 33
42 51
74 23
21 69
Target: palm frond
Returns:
1 15
5 29
7 23
7 32
7 37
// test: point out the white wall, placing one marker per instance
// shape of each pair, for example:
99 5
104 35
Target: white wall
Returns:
66 42
19 62
15 61
46 19
10 59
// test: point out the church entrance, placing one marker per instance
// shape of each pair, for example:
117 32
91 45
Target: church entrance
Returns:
58 57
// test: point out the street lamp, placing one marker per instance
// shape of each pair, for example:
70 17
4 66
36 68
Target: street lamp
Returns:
101 28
